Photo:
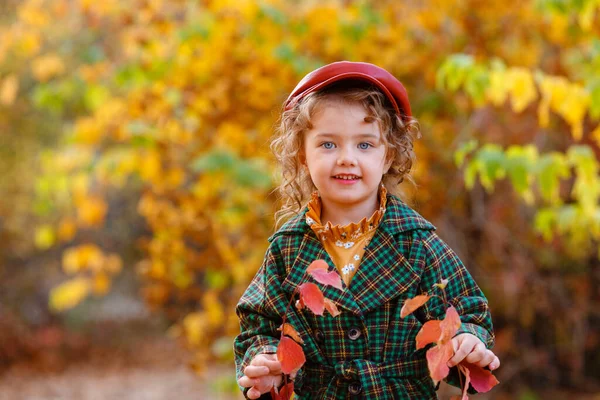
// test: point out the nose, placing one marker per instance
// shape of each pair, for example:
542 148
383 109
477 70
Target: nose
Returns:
346 157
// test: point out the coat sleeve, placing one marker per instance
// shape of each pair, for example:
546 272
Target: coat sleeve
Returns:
260 311
461 291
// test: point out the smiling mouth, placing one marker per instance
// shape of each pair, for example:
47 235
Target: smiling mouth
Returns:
347 177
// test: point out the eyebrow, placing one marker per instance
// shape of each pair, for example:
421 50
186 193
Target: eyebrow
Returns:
360 135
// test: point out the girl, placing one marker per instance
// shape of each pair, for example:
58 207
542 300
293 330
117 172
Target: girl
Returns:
344 144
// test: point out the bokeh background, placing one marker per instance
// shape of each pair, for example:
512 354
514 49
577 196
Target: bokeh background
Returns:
136 179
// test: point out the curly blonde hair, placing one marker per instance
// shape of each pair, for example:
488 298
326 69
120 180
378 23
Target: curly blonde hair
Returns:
288 143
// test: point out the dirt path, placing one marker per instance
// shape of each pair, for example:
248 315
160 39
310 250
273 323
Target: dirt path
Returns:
156 372
90 383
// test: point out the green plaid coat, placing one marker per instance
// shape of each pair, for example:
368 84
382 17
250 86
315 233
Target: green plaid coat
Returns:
367 351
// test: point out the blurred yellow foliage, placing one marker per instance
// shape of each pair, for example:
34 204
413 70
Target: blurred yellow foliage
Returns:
91 210
82 258
67 229
522 88
9 87
47 67
89 257
194 325
101 283
87 131
567 99
68 294
31 13
44 237
517 83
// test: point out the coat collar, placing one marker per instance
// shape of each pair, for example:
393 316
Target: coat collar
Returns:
384 272
398 218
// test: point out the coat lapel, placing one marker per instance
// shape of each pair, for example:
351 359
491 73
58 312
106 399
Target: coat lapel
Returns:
310 250
384 273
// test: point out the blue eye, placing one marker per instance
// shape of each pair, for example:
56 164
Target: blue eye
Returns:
364 146
327 145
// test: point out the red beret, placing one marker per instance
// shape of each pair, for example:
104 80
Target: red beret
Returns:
348 70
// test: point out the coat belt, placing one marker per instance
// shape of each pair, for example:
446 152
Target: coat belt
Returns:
386 369
369 373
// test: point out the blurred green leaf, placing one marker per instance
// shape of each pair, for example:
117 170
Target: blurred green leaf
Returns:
463 150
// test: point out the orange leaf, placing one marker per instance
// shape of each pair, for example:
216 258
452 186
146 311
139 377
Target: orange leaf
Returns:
290 355
312 297
332 308
300 304
482 380
465 371
430 332
291 332
319 270
449 325
437 361
411 305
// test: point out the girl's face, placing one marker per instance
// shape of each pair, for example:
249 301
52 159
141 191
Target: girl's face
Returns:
345 155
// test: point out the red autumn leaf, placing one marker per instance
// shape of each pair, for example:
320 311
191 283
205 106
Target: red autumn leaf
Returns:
430 332
437 361
449 325
482 380
284 394
287 391
312 297
318 270
465 371
411 305
290 355
291 332
331 307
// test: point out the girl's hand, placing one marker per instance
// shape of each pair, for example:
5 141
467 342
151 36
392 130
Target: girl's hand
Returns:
468 347
261 375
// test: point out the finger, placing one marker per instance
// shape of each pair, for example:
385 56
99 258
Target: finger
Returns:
486 359
495 363
478 354
253 393
254 371
245 381
259 359
273 365
464 348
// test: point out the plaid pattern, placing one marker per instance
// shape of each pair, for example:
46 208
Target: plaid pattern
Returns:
367 351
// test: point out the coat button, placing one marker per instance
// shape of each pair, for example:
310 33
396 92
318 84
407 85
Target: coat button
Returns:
354 388
354 333
319 336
